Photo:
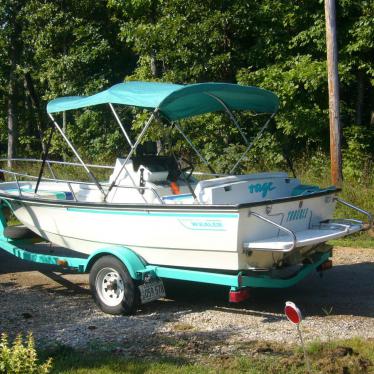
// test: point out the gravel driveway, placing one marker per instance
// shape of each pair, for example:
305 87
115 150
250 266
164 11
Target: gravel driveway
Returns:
58 309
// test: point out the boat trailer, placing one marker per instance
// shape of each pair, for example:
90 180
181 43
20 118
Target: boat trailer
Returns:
143 273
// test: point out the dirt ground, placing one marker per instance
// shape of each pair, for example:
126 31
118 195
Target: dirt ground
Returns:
58 309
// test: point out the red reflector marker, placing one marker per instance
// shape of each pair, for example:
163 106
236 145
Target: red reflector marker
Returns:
239 295
292 313
62 263
325 266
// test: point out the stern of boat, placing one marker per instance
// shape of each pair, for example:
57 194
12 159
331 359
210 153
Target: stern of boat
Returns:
286 234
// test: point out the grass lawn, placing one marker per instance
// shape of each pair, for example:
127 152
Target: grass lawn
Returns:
349 356
361 240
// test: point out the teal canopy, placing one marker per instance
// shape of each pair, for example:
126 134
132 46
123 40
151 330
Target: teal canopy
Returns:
176 101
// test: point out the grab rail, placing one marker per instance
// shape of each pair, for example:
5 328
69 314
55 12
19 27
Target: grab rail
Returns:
57 162
280 227
48 179
347 223
18 186
354 207
333 227
69 182
210 174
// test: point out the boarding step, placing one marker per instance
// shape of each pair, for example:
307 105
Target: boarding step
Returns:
318 234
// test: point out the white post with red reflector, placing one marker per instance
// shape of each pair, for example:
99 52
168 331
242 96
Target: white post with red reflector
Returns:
293 314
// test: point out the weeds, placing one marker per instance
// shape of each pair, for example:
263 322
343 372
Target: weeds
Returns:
334 357
20 357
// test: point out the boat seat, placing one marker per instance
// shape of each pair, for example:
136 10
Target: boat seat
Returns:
158 164
89 193
162 167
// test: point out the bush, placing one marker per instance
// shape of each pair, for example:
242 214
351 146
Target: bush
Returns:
21 358
358 155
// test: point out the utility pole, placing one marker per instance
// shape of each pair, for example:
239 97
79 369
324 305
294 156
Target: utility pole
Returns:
333 84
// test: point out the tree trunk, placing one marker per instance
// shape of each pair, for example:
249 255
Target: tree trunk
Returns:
333 84
154 65
15 46
64 123
36 104
12 120
360 96
28 120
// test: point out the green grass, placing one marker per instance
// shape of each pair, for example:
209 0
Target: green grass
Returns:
361 240
355 355
359 192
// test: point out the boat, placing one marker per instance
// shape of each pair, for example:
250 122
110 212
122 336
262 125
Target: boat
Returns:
168 214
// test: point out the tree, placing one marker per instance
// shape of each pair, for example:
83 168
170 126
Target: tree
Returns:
69 47
11 27
72 47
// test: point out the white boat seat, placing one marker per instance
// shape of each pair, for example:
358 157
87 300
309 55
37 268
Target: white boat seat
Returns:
90 193
157 168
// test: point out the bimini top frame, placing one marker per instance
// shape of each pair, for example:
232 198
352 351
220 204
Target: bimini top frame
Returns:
172 102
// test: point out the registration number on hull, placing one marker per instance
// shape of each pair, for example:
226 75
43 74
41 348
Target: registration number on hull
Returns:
298 214
151 291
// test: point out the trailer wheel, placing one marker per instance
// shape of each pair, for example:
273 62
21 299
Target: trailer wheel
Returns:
112 287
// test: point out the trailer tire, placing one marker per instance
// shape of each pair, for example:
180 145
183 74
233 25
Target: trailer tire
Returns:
112 287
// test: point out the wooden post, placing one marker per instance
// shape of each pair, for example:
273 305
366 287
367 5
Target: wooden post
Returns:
333 84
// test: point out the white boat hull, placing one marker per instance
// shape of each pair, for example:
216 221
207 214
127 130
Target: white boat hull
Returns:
183 237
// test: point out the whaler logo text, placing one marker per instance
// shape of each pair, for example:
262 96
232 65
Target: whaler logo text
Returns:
264 188
203 224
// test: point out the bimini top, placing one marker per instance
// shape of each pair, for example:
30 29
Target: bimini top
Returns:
176 101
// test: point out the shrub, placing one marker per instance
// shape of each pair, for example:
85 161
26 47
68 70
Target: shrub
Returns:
21 358
358 155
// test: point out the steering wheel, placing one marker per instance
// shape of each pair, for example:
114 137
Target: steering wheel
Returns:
187 170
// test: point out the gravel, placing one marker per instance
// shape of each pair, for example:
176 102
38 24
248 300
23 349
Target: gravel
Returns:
57 308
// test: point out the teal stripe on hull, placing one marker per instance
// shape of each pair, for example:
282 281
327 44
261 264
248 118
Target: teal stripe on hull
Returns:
154 214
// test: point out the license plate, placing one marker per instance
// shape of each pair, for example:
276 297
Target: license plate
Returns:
151 291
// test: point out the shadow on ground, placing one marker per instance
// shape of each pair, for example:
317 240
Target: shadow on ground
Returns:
343 290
